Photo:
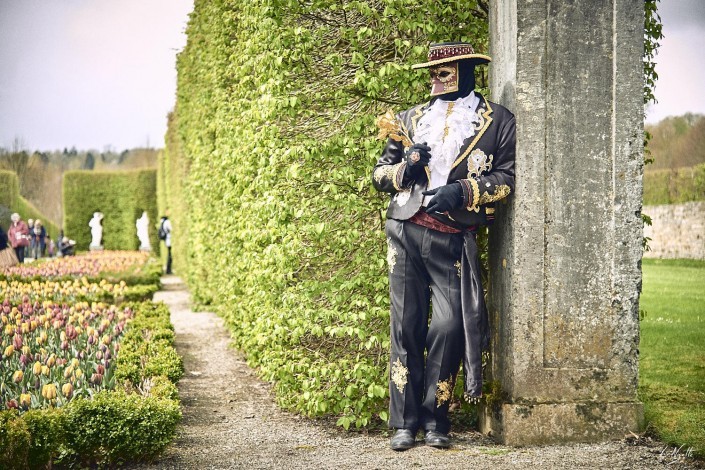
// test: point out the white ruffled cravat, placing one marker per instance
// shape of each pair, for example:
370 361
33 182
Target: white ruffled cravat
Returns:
444 127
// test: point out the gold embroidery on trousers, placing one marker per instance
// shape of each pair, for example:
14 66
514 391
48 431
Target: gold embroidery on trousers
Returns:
444 391
458 265
500 192
391 255
399 375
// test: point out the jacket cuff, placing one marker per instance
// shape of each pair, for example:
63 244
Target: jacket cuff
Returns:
471 193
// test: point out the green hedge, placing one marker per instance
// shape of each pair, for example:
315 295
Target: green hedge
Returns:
11 201
120 196
134 422
267 170
674 186
8 196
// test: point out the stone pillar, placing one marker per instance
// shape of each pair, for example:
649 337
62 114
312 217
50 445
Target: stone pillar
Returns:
565 269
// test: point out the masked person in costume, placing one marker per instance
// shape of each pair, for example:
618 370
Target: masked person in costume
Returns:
445 165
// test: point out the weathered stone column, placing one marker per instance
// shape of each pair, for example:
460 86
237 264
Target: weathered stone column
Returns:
566 251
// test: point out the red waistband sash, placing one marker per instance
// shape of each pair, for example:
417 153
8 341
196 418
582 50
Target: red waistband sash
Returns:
425 220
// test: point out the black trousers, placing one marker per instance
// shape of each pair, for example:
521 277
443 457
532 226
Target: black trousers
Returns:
424 270
19 252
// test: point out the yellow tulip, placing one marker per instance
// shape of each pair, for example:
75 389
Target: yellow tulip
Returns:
45 370
25 399
49 391
52 360
17 376
9 330
37 368
67 390
9 351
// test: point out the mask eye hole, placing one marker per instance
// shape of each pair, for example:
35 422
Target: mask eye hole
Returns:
443 74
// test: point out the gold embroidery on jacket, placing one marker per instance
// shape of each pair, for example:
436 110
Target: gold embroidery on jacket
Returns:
399 375
478 163
487 121
391 255
386 171
500 192
444 390
458 265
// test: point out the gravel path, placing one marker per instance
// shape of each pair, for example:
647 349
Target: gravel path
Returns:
231 421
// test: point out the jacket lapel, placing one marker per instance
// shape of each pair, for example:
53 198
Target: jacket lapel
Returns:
485 111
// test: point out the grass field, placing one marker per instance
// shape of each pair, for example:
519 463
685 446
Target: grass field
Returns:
672 360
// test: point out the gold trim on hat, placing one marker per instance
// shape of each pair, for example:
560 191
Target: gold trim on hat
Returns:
452 59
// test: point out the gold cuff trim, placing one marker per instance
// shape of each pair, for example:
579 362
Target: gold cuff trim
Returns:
500 192
398 175
475 195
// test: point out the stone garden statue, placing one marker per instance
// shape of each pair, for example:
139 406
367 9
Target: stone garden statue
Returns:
142 225
96 231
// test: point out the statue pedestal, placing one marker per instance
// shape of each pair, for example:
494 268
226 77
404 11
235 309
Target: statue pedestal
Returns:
565 252
95 248
145 248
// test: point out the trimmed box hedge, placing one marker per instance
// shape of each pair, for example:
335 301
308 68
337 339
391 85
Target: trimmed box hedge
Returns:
11 201
121 196
674 186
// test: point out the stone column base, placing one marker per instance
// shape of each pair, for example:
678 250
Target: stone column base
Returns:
551 423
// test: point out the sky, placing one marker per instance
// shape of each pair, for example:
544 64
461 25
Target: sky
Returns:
680 62
88 73
99 74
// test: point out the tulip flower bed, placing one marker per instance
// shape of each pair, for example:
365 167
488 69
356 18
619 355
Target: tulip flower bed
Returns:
52 353
94 264
74 290
83 381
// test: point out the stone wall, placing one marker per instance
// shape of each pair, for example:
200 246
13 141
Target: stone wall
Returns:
677 230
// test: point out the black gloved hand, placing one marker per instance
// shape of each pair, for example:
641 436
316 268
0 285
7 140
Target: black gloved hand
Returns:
445 198
417 157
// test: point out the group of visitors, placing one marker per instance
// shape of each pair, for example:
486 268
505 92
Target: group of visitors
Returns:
31 240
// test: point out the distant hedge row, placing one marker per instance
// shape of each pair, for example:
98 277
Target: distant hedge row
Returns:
11 201
120 196
267 174
674 186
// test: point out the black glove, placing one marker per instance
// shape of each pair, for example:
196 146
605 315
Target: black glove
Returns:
417 157
445 198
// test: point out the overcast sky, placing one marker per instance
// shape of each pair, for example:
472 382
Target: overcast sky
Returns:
88 73
680 64
93 73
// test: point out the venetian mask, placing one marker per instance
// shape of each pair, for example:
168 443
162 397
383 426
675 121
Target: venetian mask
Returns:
444 78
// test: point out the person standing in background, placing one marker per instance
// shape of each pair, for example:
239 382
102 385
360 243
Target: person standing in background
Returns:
165 235
29 249
39 235
18 235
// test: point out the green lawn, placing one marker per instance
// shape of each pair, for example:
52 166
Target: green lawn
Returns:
672 361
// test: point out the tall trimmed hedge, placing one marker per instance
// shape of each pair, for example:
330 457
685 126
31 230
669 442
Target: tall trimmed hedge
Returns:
11 201
121 196
267 175
674 186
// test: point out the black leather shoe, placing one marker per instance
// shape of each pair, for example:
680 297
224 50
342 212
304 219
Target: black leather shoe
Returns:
437 439
403 439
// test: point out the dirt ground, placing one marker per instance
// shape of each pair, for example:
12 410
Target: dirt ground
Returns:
231 422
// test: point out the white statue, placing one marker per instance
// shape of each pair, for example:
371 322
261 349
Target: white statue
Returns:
142 225
96 230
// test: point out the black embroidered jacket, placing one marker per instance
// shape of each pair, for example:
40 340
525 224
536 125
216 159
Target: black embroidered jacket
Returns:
484 167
